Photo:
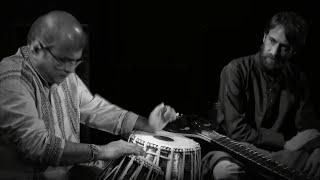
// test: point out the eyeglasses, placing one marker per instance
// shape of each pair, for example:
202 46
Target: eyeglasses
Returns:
65 60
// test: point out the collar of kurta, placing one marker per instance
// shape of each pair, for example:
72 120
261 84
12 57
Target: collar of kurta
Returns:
25 52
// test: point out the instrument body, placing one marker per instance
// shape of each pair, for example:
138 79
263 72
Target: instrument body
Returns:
178 157
131 168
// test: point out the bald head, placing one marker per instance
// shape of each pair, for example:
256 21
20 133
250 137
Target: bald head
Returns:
58 29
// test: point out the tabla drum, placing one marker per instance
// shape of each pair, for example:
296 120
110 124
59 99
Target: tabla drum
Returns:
131 168
178 157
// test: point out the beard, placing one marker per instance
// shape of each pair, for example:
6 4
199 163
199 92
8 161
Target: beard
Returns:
270 63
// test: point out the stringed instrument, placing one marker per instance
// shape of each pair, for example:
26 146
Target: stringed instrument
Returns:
254 161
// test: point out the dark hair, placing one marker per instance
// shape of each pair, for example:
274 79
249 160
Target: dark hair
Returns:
296 28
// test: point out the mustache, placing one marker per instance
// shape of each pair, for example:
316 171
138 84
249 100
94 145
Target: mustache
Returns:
269 56
266 55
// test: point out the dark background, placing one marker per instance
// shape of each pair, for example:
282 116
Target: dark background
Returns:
142 53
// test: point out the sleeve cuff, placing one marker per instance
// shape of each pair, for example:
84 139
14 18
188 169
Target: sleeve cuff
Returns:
63 143
54 150
128 123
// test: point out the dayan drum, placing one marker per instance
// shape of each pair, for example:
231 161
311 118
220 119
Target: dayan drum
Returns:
177 156
131 168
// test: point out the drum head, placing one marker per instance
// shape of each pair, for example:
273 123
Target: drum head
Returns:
164 138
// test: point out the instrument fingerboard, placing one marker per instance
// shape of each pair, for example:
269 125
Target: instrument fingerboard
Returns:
256 158
252 158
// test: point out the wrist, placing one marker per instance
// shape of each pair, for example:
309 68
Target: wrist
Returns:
142 124
94 152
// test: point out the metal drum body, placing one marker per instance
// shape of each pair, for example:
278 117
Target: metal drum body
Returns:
132 168
177 156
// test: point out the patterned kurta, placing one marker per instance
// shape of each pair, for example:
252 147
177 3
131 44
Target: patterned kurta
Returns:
37 119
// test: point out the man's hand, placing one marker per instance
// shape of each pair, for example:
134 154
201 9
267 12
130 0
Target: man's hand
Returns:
119 148
312 166
297 141
161 116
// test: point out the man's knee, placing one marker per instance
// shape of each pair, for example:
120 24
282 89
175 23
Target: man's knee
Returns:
227 169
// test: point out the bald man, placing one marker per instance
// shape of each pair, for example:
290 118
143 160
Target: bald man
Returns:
43 102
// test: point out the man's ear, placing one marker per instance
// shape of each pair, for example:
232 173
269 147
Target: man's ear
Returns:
264 37
35 47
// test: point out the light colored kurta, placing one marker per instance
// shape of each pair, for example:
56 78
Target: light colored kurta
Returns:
36 119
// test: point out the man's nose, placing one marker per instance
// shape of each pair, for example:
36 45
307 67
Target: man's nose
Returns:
275 50
69 68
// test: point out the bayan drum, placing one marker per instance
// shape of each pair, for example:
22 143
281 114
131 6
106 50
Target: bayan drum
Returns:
177 156
131 168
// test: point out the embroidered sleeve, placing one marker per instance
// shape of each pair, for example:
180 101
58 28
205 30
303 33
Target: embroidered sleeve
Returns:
20 125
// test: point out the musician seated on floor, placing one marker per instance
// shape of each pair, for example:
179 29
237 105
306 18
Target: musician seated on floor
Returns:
42 102
266 103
